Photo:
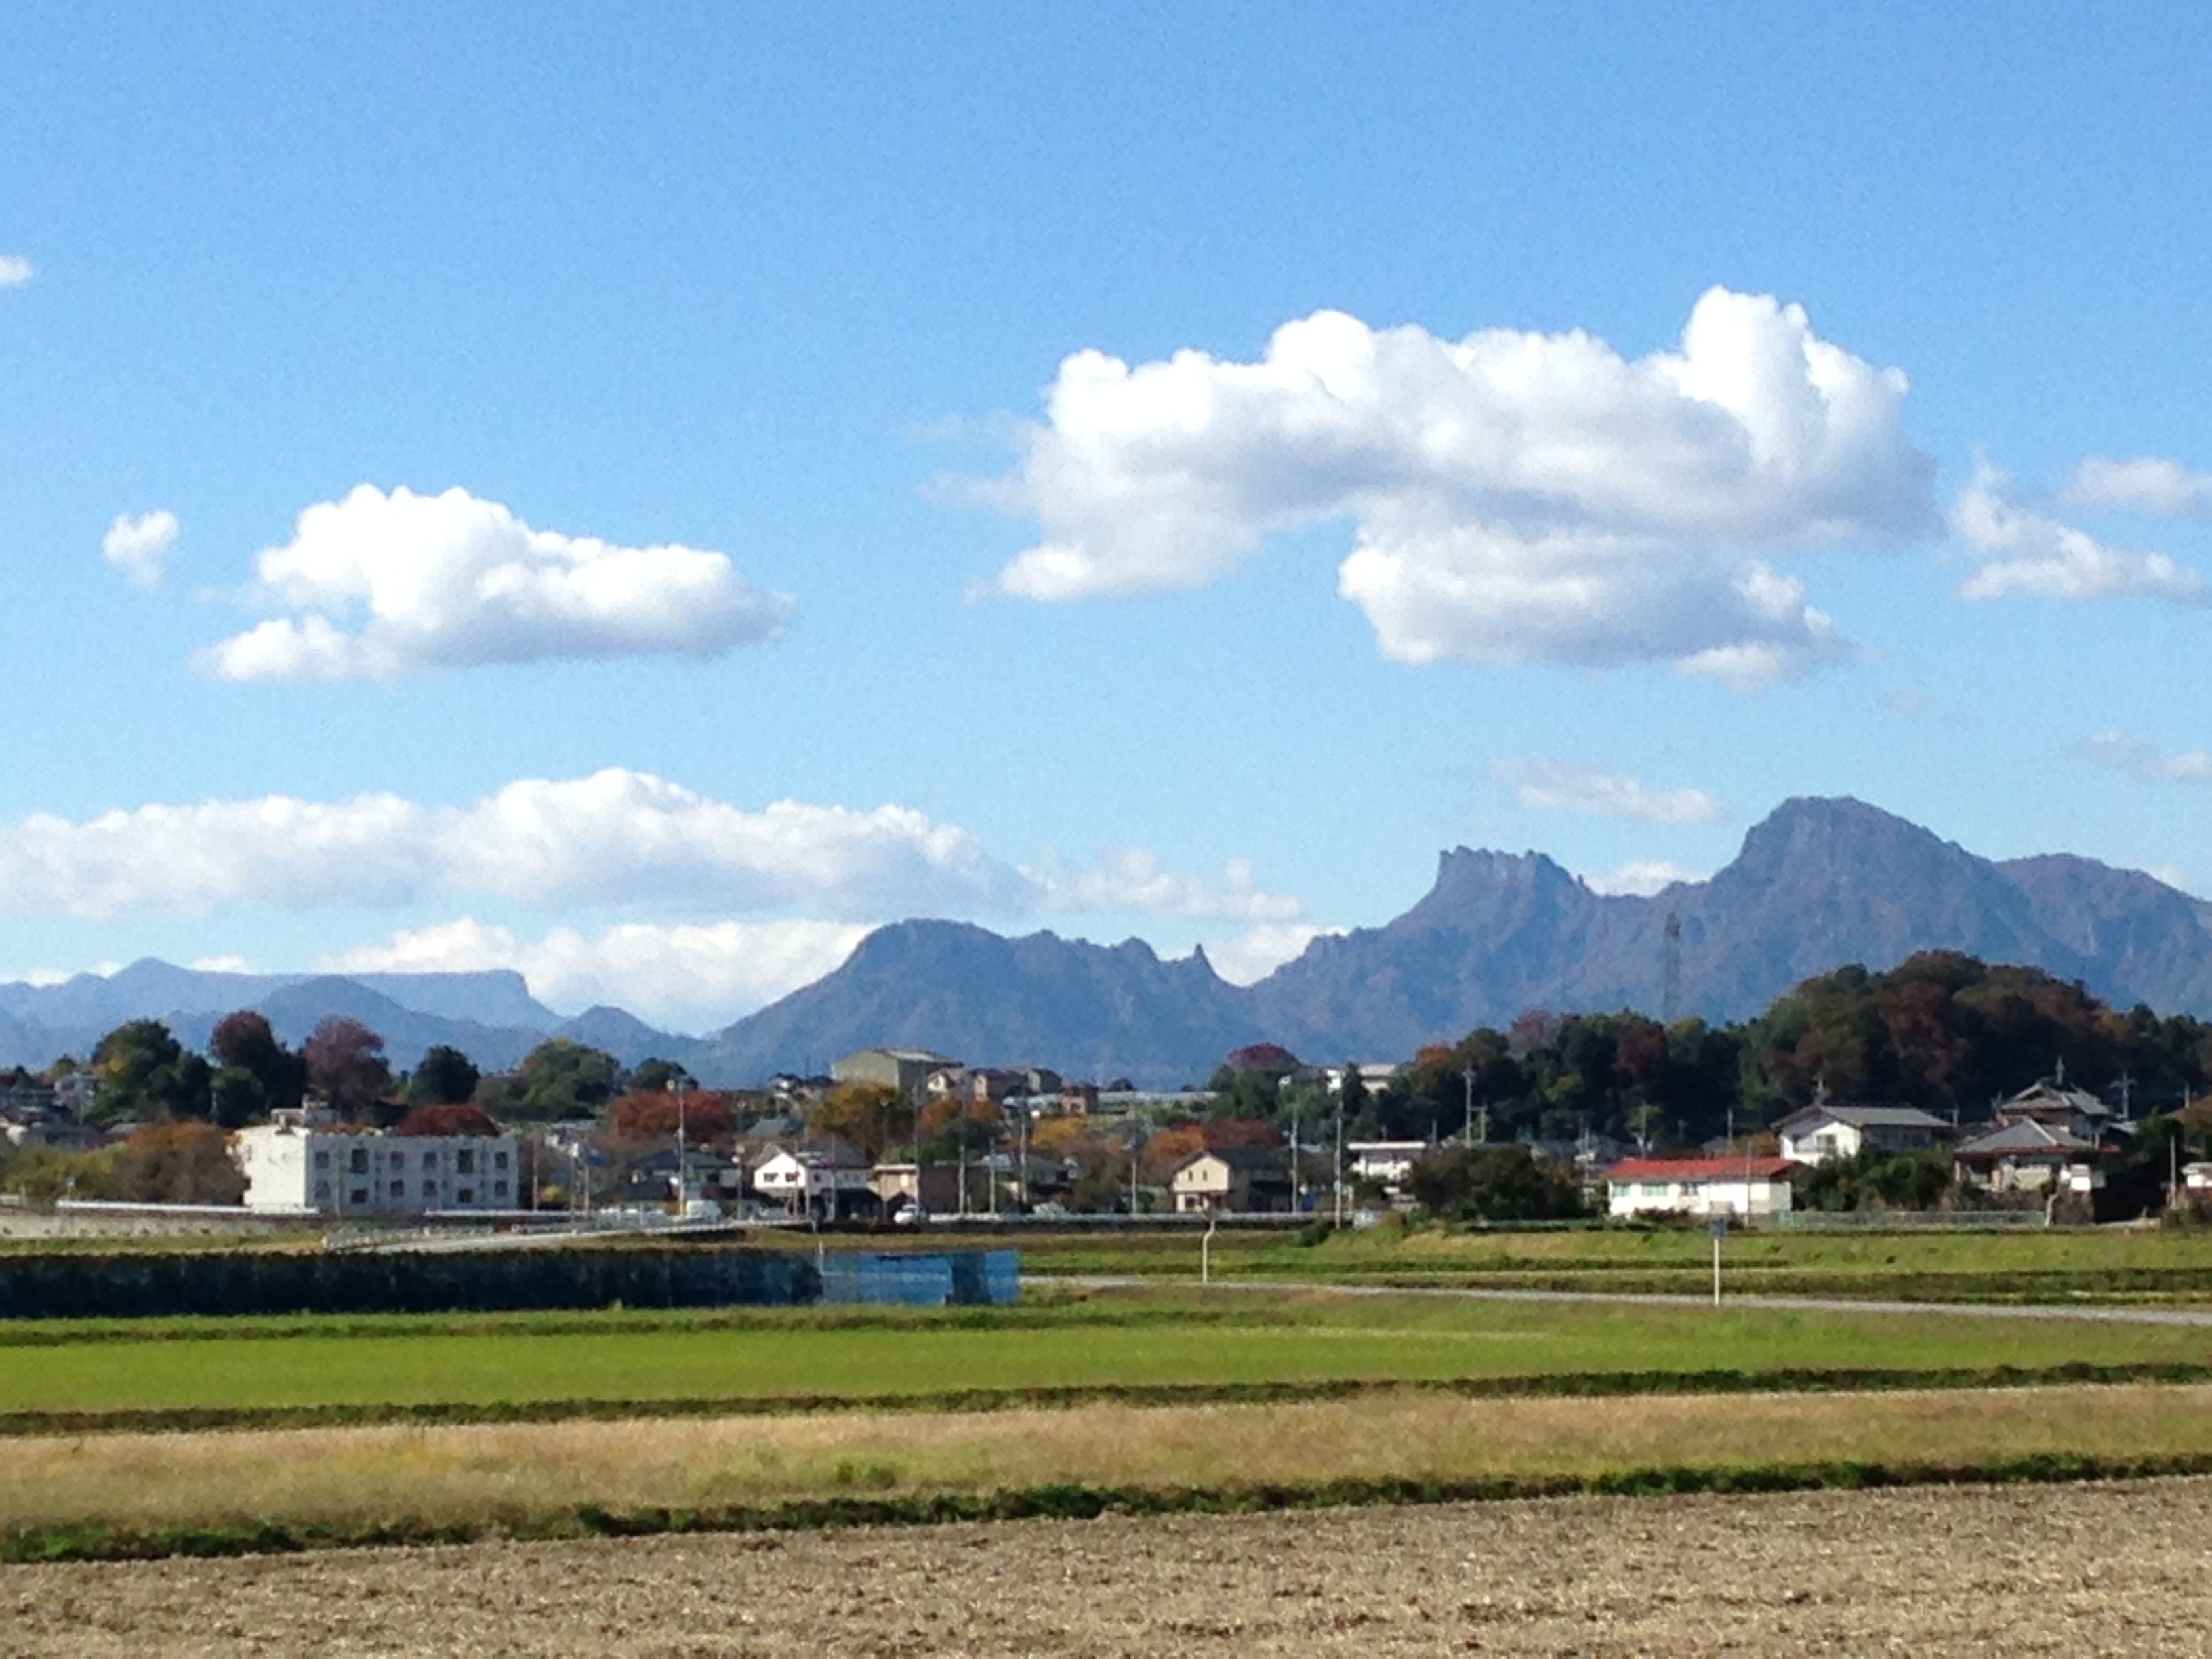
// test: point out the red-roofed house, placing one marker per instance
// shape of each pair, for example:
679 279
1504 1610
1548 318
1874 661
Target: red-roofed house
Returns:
1699 1186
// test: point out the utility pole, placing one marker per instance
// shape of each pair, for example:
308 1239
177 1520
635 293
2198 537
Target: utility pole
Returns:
683 1186
1295 1194
1338 1196
1022 1141
1468 1078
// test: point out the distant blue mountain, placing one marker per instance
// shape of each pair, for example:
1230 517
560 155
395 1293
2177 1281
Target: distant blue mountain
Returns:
1818 883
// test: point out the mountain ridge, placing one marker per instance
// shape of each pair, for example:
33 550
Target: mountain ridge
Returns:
1819 881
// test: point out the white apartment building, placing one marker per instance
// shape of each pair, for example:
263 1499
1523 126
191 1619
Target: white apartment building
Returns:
295 1162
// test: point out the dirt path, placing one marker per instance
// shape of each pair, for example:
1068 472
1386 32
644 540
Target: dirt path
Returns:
2074 1569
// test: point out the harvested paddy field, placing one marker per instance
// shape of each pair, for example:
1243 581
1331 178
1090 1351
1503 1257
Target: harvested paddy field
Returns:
2101 1569
548 1479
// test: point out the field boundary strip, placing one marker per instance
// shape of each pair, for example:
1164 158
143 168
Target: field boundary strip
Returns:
1538 1385
95 1541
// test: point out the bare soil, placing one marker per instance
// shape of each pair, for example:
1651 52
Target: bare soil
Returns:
2079 1570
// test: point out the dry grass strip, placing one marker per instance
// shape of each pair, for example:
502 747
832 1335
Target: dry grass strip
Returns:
485 1475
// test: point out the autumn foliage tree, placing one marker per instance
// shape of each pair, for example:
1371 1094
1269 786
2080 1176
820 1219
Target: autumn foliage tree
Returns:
650 1115
447 1118
345 1060
867 1116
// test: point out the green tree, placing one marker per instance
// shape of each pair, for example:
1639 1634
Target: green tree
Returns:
443 1076
655 1073
561 1079
1495 1183
255 1074
142 1073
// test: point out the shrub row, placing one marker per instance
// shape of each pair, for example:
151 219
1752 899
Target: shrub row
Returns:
124 1286
95 1541
1548 1385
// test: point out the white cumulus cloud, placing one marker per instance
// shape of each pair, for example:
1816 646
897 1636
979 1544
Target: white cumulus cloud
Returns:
1554 786
2122 751
139 545
1133 878
377 586
2146 483
1247 958
681 977
1641 877
2040 557
15 270
1517 496
617 839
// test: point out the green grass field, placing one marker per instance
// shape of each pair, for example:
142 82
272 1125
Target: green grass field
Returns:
2054 1264
1132 1338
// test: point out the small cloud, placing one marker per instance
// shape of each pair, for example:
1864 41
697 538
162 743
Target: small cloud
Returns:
15 270
2046 558
2171 874
378 586
1641 877
223 964
2122 751
138 544
2148 484
1554 786
1249 957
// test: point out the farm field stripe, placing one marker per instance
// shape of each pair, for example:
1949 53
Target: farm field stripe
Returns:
1068 1501
1540 1385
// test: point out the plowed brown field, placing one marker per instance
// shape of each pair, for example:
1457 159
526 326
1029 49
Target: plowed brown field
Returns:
2075 1570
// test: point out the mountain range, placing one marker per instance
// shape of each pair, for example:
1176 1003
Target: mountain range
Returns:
1819 882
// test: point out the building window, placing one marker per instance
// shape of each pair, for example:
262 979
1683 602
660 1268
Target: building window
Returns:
400 1189
359 1195
358 1163
465 1161
499 1189
499 1160
466 1195
429 1160
322 1160
322 1191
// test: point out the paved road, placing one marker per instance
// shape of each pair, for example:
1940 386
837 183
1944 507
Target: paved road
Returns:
2109 1315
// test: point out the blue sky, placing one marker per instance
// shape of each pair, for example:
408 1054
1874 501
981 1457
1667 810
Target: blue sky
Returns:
788 292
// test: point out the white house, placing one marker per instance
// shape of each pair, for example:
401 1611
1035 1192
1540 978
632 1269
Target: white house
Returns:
297 1162
1386 1163
813 1178
1699 1186
1374 1076
1822 1131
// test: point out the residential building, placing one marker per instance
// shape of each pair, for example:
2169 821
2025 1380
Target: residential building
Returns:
300 1161
1076 1099
829 1180
935 1187
1235 1178
2024 1154
1822 1130
906 1070
1746 1187
1374 1076
1386 1163
707 1174
2051 1102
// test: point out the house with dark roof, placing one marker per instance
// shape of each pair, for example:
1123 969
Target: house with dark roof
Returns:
1823 1131
2026 1154
1235 1178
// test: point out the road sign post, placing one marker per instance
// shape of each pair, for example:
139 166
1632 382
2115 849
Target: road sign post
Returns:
1718 1227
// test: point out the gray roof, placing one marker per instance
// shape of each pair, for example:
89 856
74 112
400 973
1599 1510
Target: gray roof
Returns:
1870 1117
2024 1135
